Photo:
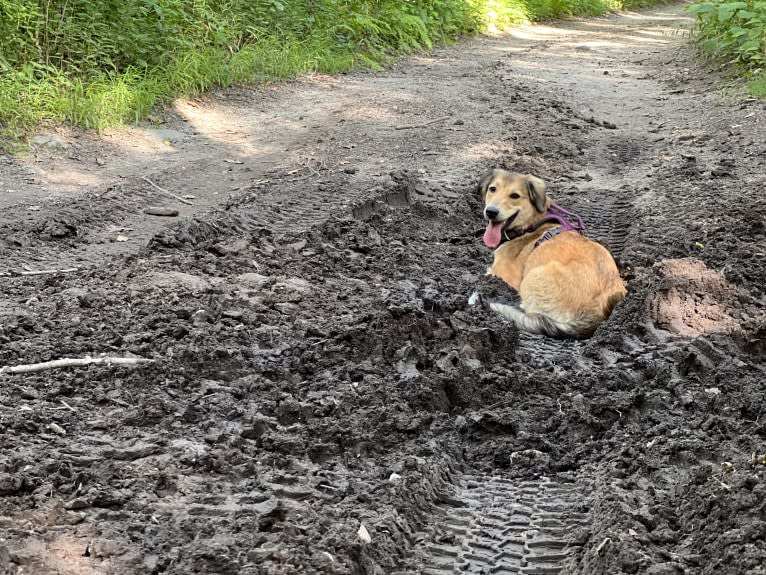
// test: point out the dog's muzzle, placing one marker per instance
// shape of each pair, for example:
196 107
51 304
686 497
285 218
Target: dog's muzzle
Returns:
491 212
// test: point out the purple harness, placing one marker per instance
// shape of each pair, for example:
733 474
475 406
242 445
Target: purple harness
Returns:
557 214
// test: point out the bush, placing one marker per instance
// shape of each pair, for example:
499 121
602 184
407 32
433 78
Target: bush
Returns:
735 31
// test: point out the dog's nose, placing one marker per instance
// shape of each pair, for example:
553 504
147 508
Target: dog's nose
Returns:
491 212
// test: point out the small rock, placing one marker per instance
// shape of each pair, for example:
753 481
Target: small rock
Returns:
407 369
201 317
56 428
363 534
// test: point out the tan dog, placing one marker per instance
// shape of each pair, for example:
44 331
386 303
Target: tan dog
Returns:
568 283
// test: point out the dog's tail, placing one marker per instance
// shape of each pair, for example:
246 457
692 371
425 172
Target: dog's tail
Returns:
582 326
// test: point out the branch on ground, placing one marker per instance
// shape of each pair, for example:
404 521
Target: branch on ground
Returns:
73 362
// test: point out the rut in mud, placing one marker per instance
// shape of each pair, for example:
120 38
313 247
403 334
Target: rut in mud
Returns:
322 398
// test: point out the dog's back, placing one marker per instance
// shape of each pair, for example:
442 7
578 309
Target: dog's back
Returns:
570 285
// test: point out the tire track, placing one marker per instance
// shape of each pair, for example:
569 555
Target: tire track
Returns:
503 527
607 218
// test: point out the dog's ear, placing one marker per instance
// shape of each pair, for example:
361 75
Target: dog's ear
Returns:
536 190
484 183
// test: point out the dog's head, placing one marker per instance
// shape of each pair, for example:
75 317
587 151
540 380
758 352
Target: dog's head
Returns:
512 203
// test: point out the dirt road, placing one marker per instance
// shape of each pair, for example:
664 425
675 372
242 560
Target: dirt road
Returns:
321 398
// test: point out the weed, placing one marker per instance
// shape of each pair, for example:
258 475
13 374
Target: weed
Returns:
732 31
757 87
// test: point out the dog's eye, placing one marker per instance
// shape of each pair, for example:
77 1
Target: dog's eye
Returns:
515 196
493 188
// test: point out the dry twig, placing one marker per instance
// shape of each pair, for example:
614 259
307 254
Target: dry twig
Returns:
423 125
43 272
603 544
164 191
73 362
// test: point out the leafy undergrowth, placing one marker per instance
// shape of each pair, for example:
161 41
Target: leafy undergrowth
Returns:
101 63
735 32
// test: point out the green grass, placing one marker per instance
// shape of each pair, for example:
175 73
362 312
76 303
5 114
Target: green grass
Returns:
757 87
734 33
103 63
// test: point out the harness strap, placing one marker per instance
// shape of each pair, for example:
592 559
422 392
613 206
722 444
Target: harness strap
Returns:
558 214
561 215
553 232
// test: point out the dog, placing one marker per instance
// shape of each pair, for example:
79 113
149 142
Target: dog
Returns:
568 283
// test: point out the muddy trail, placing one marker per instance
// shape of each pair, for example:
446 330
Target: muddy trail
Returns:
321 398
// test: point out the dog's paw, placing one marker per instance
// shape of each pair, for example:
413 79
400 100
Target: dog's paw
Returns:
505 309
489 301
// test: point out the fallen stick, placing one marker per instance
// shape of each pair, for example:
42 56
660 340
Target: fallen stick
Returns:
603 544
164 191
73 362
423 125
160 211
42 272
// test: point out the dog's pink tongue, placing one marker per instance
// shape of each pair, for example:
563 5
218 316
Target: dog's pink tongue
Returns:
493 235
